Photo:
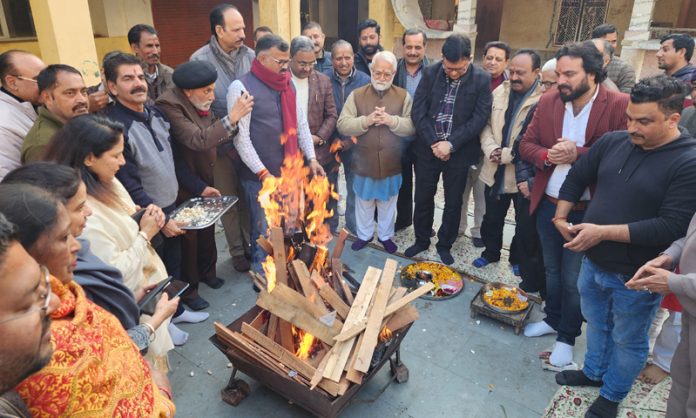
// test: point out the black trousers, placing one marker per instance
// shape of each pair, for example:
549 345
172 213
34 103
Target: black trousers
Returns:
199 258
493 223
531 258
404 203
454 181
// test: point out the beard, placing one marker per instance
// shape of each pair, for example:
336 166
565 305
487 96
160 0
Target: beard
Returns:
583 88
20 364
369 50
381 85
203 107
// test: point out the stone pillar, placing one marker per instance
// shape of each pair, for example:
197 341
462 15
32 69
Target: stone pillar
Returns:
64 31
383 13
282 16
466 21
638 32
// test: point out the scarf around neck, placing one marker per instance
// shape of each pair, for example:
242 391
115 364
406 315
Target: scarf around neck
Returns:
280 82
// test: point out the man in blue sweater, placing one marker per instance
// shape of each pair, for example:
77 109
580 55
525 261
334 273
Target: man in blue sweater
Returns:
644 195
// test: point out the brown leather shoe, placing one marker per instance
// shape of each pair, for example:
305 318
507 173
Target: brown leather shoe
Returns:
240 263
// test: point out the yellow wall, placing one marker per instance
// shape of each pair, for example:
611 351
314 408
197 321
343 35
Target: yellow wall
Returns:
104 45
31 46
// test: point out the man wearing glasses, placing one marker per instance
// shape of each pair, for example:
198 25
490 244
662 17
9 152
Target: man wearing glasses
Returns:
314 96
25 308
19 96
451 106
379 116
275 117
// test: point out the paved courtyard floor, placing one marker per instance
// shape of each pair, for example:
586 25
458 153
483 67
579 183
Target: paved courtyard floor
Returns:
459 366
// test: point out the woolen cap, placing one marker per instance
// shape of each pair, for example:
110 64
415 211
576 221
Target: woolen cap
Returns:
194 75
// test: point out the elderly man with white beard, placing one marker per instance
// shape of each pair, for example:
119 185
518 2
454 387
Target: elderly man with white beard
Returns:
379 116
196 133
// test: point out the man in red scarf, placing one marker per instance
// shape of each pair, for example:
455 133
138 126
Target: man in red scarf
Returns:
274 130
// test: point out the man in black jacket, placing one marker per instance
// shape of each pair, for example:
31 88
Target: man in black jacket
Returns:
643 199
451 106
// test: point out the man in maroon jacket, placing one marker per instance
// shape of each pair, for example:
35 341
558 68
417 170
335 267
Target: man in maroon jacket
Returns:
565 125
315 96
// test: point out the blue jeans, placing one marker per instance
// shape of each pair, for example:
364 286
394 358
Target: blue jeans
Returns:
258 223
618 320
347 159
562 268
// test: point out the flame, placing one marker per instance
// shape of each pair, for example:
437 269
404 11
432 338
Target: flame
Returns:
335 147
385 335
270 270
285 198
306 341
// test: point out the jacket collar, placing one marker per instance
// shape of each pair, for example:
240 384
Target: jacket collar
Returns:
13 101
46 114
141 116
599 106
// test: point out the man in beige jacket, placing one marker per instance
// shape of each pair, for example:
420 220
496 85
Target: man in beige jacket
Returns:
512 100
657 276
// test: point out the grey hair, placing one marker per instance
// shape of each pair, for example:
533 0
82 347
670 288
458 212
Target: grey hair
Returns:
301 44
387 56
549 65
340 44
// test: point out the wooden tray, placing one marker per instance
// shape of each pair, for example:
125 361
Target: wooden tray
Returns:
516 320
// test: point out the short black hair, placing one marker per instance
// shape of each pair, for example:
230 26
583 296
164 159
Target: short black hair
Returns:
48 77
603 30
8 235
6 65
414 31
135 31
262 29
61 180
497 44
217 17
271 41
456 47
368 23
311 25
116 60
592 59
33 210
668 92
681 41
536 59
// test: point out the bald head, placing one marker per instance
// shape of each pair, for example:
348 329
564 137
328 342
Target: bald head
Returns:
605 48
18 71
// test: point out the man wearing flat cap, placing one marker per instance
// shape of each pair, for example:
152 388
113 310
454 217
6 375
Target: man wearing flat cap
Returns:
196 133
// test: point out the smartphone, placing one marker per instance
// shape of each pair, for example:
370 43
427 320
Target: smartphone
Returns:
149 302
176 288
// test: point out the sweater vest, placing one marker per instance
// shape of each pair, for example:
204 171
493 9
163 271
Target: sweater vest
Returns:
266 126
377 153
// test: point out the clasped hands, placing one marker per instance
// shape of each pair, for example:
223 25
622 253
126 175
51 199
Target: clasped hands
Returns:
442 150
563 152
579 237
380 117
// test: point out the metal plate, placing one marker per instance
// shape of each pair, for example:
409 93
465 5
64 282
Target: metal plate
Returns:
498 285
212 209
416 274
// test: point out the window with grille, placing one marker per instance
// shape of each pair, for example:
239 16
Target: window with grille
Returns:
577 18
16 20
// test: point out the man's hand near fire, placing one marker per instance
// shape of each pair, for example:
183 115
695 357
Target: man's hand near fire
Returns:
317 169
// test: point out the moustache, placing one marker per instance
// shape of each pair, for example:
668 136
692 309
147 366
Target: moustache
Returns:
138 90
516 82
79 106
153 56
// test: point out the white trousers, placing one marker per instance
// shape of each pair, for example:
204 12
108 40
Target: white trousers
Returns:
365 218
667 341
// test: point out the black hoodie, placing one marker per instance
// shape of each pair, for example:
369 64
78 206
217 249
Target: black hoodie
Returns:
654 192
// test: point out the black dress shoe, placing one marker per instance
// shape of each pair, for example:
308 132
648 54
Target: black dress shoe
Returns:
214 283
196 303
478 242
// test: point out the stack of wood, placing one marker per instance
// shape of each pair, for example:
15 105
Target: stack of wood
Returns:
312 297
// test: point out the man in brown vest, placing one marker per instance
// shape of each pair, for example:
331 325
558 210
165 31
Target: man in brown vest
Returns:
379 115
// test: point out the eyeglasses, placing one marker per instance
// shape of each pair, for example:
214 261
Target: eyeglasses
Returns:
548 84
459 71
382 74
21 77
46 297
282 63
303 64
